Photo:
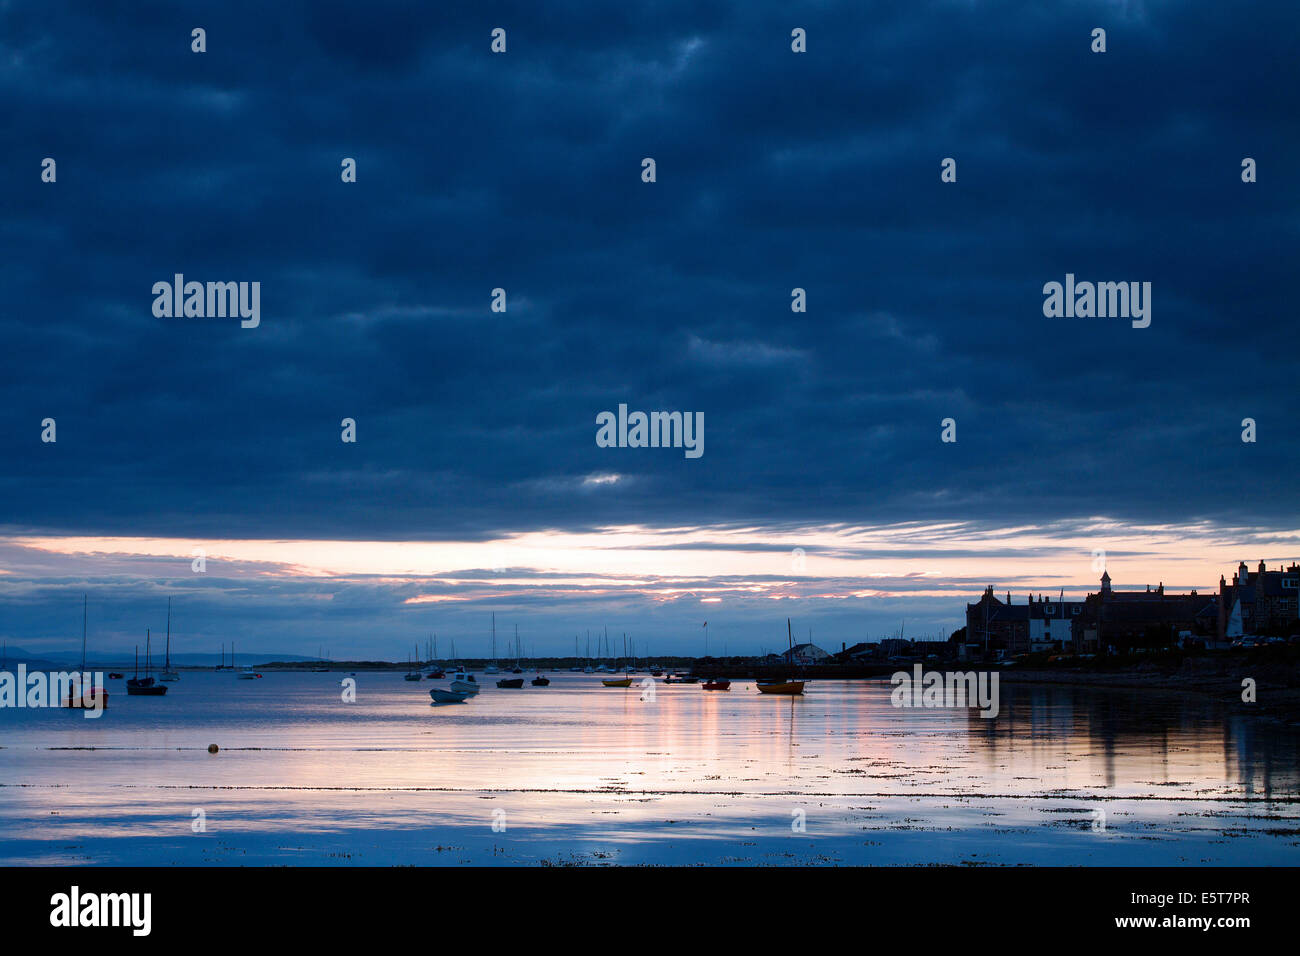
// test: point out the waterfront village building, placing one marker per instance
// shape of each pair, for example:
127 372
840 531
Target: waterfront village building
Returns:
805 654
1040 624
995 627
1051 623
1128 620
1105 619
1259 602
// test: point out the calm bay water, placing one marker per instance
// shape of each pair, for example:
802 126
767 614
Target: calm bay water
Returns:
580 773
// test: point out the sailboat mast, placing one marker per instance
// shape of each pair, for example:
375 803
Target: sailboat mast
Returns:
84 600
169 634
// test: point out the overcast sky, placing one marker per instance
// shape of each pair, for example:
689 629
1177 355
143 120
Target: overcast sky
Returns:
476 483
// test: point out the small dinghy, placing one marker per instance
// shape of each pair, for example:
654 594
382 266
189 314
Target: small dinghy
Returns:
790 687
540 681
716 684
441 696
618 682
511 683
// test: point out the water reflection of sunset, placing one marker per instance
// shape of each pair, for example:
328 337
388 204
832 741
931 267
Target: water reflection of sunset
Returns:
580 768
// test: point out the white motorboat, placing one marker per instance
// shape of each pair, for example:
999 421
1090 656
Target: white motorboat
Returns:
464 683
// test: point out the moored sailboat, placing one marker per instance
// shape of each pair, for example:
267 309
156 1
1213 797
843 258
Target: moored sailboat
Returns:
81 697
435 672
243 673
145 686
167 673
787 686
412 672
493 668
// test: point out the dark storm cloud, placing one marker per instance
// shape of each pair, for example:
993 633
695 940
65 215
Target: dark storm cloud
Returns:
522 171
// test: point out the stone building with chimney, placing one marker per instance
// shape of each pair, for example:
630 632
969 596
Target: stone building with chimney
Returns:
1259 602
1125 621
